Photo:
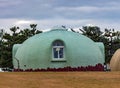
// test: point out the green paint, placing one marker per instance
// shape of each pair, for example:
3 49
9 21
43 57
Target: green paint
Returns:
36 52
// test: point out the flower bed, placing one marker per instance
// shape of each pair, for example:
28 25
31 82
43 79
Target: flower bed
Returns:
97 67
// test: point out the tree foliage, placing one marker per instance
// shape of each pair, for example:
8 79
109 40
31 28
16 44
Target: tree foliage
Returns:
16 36
112 43
92 32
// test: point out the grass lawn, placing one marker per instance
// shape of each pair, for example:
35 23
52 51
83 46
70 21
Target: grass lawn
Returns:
60 79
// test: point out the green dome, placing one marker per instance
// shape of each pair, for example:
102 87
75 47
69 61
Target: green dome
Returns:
38 51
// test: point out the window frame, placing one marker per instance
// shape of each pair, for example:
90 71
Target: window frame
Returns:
58 46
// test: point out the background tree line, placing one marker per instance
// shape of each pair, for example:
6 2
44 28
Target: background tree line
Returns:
16 36
109 37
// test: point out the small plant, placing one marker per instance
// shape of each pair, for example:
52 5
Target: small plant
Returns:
97 67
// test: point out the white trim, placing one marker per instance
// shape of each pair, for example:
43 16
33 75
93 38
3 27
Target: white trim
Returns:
61 60
58 59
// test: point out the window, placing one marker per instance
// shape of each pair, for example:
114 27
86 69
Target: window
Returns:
58 50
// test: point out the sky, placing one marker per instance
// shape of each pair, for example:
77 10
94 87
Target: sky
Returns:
49 13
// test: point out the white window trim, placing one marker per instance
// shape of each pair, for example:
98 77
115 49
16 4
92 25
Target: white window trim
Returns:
58 59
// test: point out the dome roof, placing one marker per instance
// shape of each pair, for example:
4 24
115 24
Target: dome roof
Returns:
36 52
115 61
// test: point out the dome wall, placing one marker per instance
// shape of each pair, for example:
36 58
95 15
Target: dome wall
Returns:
115 61
36 52
14 50
101 46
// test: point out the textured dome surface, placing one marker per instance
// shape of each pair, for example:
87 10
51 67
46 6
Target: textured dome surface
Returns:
36 52
115 61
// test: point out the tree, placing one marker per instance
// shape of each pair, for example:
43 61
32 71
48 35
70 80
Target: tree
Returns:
16 36
1 48
112 44
92 32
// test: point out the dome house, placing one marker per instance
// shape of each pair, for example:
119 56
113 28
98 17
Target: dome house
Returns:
57 48
115 61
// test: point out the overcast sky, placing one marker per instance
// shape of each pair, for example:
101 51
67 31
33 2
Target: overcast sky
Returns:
49 13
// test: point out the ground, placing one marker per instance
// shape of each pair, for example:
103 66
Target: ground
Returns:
60 79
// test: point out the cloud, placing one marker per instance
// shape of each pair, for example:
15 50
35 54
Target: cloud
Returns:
21 22
43 9
70 23
49 13
76 23
7 3
44 24
6 24
87 9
